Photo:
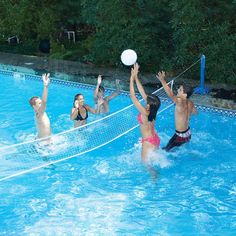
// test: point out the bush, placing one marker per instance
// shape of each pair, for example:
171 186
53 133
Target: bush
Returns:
26 48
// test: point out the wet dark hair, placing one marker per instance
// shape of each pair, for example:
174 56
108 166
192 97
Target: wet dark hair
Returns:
101 88
188 90
32 100
154 102
77 95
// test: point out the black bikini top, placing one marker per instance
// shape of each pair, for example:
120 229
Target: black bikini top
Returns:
79 117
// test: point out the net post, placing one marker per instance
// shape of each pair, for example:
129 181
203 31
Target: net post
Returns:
202 89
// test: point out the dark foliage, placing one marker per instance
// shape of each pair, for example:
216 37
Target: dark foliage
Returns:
167 35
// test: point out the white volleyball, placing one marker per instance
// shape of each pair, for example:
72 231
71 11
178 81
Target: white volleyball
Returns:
128 57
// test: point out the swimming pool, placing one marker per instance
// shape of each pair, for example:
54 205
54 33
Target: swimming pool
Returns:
108 191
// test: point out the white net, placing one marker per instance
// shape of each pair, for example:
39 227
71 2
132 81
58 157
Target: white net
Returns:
29 156
25 157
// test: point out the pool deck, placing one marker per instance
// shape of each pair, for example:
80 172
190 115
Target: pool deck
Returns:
87 73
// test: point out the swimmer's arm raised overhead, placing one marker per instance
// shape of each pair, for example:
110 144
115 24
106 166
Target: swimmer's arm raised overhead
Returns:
115 93
90 109
99 81
132 94
161 77
46 81
138 83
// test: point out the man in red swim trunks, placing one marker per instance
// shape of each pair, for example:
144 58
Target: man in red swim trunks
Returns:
184 108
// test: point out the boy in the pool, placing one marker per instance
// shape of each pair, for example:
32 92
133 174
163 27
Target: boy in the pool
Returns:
102 102
184 108
39 106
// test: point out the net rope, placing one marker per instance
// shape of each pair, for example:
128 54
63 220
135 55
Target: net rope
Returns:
28 156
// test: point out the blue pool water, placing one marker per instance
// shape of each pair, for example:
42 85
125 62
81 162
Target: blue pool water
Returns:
108 191
17 117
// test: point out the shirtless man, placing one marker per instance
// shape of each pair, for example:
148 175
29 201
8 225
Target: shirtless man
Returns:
101 102
183 110
39 106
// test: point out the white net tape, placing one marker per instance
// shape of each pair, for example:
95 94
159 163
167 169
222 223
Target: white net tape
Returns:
29 156
25 157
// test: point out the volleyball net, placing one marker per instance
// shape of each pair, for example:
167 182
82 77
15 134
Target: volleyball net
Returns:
26 157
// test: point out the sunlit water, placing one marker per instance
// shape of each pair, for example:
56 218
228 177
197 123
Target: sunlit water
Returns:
109 191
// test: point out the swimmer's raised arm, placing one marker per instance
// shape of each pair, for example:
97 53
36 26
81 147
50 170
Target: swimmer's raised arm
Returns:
133 96
99 81
46 81
161 77
138 83
90 109
116 92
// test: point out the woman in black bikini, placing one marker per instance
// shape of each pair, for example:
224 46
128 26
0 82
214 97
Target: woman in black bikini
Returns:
79 112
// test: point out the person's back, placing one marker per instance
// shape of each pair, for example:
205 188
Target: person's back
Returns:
39 106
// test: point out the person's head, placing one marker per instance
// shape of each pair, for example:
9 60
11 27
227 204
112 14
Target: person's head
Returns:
153 104
101 91
35 102
80 98
185 91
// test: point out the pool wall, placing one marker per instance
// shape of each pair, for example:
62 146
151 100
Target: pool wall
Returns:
68 80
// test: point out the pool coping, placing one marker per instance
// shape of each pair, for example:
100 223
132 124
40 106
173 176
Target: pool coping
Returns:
28 76
88 72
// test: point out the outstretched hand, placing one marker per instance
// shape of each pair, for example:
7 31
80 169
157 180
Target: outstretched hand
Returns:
99 80
46 79
134 71
161 76
132 77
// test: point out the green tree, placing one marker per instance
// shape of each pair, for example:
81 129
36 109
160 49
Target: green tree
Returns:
140 25
205 27
29 19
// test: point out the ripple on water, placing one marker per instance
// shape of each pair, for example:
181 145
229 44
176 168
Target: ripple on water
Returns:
38 205
93 214
102 167
5 124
